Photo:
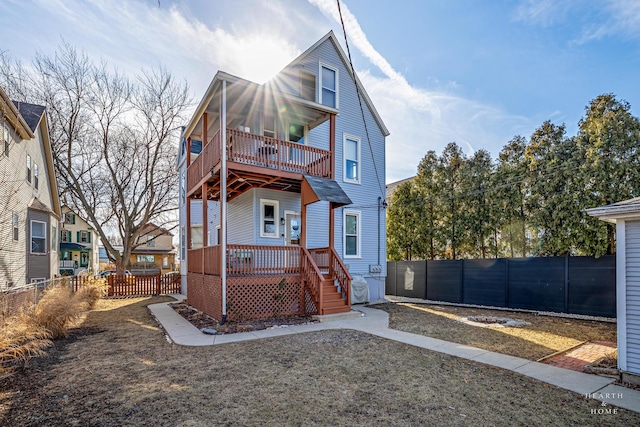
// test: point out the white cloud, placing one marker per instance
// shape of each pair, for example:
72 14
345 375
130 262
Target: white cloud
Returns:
419 119
542 12
623 19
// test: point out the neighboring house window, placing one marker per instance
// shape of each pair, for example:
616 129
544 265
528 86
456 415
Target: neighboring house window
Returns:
70 218
54 238
6 147
218 235
28 168
38 237
15 221
151 241
351 159
65 236
146 258
5 137
165 261
329 89
38 280
83 237
351 234
183 190
183 244
35 175
269 218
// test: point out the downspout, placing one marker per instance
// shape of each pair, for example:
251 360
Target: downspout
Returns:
379 207
223 199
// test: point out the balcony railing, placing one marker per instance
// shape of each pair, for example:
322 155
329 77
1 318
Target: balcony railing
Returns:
255 150
246 260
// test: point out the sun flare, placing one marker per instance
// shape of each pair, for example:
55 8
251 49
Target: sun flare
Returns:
262 57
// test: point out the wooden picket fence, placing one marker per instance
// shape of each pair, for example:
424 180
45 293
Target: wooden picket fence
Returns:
119 286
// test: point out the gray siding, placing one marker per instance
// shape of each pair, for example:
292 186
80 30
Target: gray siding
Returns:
240 219
38 266
287 202
633 295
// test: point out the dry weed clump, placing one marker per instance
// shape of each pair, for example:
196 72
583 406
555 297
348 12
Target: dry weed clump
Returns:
20 340
28 335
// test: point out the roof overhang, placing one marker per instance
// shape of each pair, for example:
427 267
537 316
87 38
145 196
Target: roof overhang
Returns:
316 189
625 210
13 116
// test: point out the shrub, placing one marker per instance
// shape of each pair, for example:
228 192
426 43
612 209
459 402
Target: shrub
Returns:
58 309
94 289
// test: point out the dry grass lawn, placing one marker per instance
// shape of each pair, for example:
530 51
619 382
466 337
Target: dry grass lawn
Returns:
544 336
118 369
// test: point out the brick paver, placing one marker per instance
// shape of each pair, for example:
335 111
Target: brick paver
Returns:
583 355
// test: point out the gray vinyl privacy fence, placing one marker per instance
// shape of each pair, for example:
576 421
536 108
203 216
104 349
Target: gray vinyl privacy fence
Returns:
574 285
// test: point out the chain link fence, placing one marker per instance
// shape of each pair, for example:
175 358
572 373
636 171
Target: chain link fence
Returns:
22 298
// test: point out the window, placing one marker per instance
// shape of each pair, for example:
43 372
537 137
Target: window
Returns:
146 258
70 218
351 159
54 238
35 175
218 235
15 222
351 234
38 237
38 280
183 189
269 125
28 168
83 237
165 261
329 88
5 138
183 244
151 241
269 222
65 236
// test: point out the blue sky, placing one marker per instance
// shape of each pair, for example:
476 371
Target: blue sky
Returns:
475 72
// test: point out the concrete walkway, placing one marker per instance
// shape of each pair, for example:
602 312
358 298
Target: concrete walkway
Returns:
376 322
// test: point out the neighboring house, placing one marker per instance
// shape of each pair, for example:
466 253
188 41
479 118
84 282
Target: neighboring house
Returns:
30 206
154 253
293 173
626 216
392 186
78 245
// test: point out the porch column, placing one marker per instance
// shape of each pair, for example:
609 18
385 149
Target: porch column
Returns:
223 197
332 144
205 222
205 129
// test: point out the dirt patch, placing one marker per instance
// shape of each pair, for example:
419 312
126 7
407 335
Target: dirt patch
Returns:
203 321
542 336
119 370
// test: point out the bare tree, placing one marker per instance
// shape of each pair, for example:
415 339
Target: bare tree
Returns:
114 140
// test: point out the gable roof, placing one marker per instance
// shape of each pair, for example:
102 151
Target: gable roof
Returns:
625 209
31 113
9 112
331 36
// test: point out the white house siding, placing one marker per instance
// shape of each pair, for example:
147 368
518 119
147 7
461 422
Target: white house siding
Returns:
365 194
16 195
632 295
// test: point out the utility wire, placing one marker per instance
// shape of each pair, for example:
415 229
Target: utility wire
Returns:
364 120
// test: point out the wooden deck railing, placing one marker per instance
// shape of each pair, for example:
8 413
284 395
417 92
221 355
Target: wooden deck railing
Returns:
313 278
328 260
257 150
246 260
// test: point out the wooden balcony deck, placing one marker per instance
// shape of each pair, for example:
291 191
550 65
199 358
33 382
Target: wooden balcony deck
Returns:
256 161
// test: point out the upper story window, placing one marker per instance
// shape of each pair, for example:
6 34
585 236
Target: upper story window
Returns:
269 125
15 221
65 236
269 223
4 133
54 238
183 187
69 218
36 174
151 241
351 145
329 86
84 237
38 237
28 168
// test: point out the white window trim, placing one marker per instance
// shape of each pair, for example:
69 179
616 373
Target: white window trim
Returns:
344 158
357 214
15 226
276 218
54 236
44 227
331 67
305 131
84 236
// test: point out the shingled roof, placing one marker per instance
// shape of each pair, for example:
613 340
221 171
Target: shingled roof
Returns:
31 113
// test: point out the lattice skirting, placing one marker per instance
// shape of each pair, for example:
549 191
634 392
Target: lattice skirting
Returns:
248 298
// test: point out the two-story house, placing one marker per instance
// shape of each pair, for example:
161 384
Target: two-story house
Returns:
28 195
294 172
78 245
154 252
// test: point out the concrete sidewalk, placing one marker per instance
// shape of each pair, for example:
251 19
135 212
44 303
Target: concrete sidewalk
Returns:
376 322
